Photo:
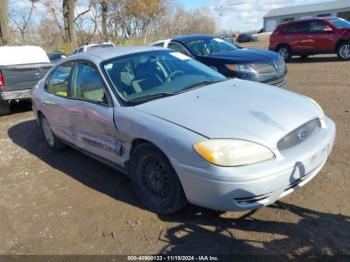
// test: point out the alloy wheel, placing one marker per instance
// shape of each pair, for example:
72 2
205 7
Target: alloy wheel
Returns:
344 51
284 52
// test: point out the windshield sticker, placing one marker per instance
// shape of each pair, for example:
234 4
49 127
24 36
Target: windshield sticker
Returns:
108 66
180 56
218 40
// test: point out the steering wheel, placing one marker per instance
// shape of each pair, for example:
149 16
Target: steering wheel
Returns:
174 74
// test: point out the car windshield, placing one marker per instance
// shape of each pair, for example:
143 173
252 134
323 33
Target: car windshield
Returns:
209 46
145 76
340 23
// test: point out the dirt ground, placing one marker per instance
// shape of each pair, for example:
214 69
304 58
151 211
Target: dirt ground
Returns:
67 203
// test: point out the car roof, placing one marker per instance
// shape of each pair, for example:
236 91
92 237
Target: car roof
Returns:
161 41
97 44
186 38
308 20
102 54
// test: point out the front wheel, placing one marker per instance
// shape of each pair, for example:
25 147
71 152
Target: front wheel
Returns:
343 51
285 52
52 141
155 181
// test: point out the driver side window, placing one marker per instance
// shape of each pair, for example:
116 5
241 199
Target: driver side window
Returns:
318 26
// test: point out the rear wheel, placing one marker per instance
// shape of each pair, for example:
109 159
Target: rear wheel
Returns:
4 107
285 52
155 181
343 51
52 141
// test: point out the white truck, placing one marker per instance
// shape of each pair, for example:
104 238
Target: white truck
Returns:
21 67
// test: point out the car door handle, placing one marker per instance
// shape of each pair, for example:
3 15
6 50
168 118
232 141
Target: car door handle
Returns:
310 36
73 112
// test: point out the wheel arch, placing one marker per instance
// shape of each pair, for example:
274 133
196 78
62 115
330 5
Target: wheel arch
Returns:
283 44
341 41
135 144
39 115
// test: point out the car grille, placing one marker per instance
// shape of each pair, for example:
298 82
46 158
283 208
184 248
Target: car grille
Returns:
298 135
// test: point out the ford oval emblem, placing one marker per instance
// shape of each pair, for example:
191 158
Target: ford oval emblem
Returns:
302 134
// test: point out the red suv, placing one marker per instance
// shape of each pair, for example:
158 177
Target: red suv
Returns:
312 37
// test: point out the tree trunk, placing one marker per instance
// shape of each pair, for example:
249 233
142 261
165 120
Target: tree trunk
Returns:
104 6
68 18
4 23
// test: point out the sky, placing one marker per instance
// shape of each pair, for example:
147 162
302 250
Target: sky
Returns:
242 15
229 15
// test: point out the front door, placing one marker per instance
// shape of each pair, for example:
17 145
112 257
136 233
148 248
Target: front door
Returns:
323 36
96 131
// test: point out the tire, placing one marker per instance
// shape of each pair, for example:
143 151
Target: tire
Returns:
343 51
51 140
304 56
285 52
155 181
4 107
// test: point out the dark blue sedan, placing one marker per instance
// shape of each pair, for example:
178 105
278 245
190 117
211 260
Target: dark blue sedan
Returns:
231 60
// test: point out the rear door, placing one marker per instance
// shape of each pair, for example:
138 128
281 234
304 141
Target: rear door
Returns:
323 36
20 77
296 35
58 108
96 131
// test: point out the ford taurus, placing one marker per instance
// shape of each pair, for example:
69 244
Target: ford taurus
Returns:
182 131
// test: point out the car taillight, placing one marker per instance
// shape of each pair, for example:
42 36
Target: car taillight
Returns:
2 83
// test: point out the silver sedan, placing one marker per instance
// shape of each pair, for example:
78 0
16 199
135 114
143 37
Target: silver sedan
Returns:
182 131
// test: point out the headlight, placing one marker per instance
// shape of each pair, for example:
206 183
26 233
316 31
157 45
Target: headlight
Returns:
232 152
252 68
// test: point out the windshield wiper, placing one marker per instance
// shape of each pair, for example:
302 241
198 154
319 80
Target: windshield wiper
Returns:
150 97
201 83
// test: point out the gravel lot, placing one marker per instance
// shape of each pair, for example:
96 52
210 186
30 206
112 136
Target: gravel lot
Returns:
67 203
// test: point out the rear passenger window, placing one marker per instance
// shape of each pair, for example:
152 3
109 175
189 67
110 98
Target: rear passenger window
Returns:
178 47
59 80
159 44
87 83
297 28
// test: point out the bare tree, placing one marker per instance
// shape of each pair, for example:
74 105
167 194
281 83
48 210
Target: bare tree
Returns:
22 18
55 12
104 17
68 18
4 24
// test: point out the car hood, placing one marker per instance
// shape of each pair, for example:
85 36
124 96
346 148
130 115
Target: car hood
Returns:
248 55
236 109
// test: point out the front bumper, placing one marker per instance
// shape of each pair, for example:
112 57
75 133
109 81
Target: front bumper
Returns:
278 79
280 82
16 95
253 186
